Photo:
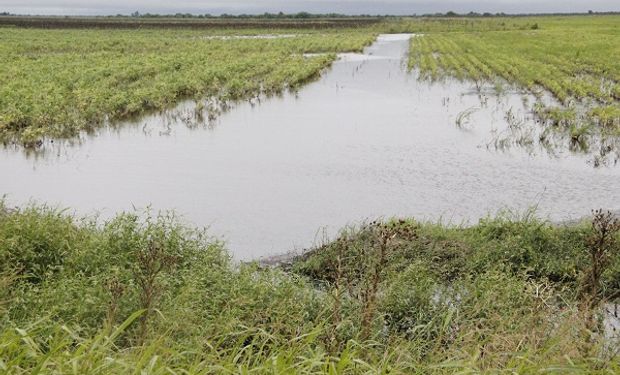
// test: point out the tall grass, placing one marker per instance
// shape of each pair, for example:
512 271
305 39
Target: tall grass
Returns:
146 294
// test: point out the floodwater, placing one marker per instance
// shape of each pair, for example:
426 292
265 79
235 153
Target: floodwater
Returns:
366 140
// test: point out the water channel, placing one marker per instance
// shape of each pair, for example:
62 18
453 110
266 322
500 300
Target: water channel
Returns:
367 140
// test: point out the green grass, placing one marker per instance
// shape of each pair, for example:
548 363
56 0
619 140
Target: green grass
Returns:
59 82
146 294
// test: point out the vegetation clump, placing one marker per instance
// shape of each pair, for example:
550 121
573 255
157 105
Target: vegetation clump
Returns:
146 293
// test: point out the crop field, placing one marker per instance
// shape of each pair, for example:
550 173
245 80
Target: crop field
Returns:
102 291
59 82
576 59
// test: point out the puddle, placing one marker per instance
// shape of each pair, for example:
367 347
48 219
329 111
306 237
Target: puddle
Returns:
367 140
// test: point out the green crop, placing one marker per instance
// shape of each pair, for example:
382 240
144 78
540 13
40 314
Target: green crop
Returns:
59 82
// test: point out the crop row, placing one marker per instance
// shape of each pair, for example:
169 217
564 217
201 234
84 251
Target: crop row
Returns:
466 56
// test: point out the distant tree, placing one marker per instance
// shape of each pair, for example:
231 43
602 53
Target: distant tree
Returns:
590 12
487 14
451 14
135 14
303 15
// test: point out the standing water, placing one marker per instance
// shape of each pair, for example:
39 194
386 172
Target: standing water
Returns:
367 140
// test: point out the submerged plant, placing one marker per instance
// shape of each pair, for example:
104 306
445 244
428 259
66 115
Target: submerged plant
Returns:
464 116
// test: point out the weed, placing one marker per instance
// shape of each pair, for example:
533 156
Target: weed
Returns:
602 247
151 261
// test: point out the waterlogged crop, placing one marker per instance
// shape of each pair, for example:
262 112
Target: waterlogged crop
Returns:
575 59
60 82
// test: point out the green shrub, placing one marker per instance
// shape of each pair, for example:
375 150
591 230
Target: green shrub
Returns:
36 242
414 300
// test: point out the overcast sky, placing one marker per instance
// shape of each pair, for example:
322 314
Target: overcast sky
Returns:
90 7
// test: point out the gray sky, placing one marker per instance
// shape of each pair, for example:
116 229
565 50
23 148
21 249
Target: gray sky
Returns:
89 7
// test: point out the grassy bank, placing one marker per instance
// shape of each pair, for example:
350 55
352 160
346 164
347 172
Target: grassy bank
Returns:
154 296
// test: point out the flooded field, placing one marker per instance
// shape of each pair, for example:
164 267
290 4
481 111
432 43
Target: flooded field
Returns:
366 140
